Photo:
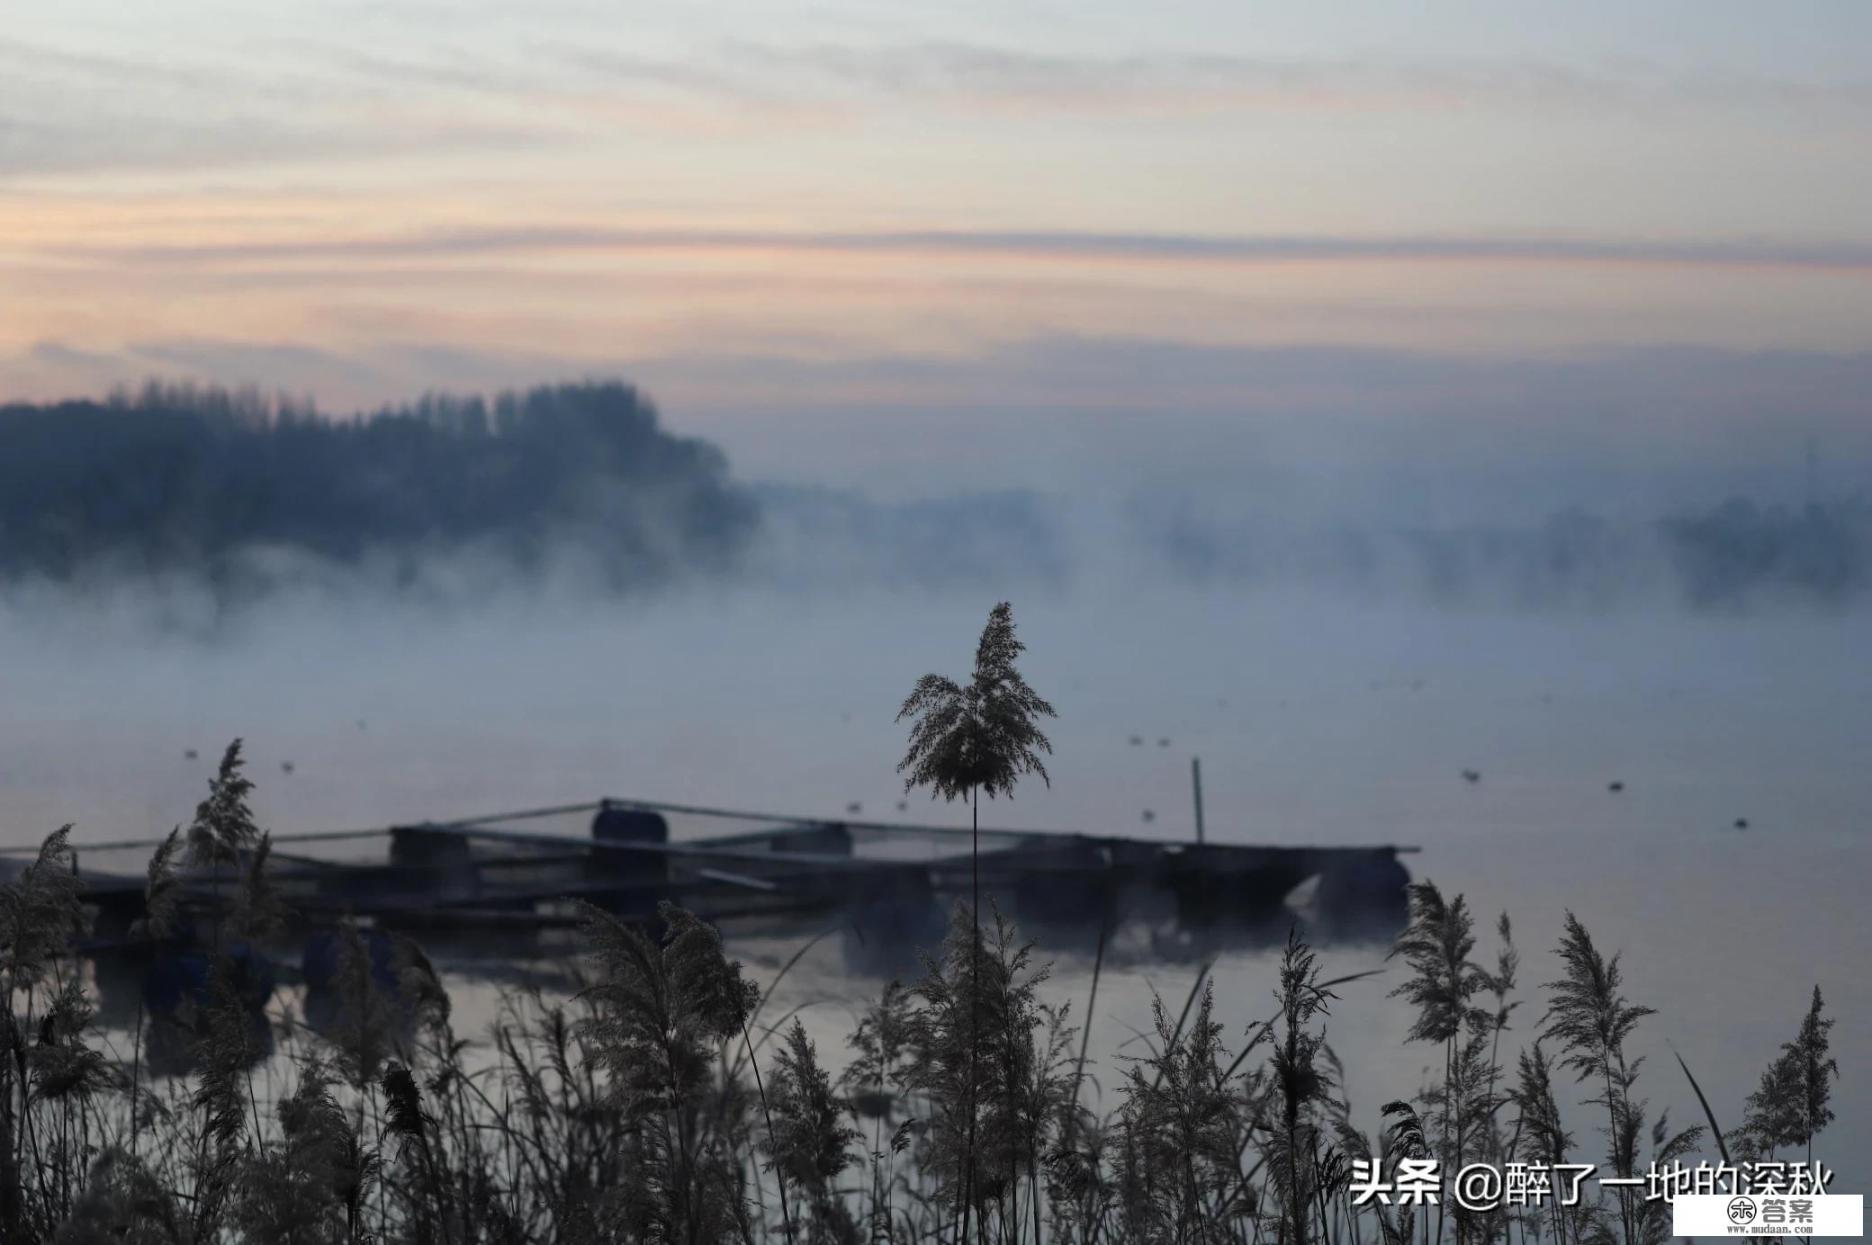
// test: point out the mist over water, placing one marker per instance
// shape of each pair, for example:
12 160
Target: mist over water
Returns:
1317 713
1321 716
551 599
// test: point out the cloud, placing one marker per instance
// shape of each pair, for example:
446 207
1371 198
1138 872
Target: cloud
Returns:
58 355
345 380
852 78
310 92
1030 245
957 72
119 112
272 365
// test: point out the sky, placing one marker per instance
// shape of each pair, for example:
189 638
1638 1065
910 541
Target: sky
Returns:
1433 261
865 243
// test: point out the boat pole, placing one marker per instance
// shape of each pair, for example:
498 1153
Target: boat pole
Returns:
1196 790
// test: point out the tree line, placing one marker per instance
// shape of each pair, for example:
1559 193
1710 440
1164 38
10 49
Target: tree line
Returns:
178 478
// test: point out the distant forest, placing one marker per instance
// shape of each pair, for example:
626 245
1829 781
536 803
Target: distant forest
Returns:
181 478
243 492
1730 556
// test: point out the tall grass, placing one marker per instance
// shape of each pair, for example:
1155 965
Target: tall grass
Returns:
650 1104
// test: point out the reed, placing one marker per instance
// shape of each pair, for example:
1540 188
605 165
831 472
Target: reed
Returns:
634 1105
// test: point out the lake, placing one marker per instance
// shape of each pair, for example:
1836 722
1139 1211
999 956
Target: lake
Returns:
1318 718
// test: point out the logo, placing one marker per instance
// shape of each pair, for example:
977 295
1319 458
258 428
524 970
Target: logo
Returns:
1761 1213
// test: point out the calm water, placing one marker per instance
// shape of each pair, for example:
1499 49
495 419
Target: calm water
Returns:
1318 720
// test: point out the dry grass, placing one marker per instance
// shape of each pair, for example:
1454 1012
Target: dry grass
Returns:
653 1105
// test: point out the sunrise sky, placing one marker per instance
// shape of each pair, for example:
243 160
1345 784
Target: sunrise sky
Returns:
852 239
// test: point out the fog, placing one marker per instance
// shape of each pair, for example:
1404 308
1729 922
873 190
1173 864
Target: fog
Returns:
1337 670
1320 716
1323 711
1335 675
